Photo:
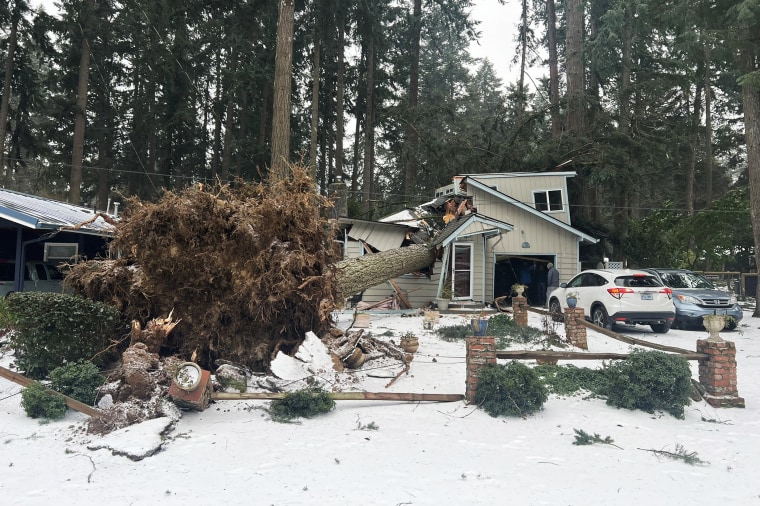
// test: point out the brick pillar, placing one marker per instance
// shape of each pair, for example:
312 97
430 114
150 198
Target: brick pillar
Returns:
520 310
481 351
574 330
718 373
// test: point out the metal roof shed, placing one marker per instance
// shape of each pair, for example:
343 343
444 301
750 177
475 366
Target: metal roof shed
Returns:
28 221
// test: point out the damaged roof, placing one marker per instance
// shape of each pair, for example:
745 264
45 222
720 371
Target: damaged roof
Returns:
41 213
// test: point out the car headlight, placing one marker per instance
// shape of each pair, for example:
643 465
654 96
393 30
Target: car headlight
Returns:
688 299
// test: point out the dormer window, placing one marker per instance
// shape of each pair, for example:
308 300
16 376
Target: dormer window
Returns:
548 200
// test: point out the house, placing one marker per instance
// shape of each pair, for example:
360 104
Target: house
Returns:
39 229
502 228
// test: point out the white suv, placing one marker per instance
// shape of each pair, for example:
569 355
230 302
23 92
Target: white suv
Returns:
610 296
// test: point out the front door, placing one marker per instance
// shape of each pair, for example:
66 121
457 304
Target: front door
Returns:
462 270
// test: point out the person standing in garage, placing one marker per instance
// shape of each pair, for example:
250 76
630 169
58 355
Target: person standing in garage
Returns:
552 281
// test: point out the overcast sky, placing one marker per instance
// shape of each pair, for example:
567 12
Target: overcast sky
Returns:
498 27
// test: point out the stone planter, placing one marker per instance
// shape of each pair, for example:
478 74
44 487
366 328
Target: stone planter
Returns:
714 323
443 304
410 344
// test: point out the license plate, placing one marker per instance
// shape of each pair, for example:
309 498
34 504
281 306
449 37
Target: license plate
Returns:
646 296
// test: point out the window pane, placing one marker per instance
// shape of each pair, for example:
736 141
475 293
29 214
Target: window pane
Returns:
540 200
555 200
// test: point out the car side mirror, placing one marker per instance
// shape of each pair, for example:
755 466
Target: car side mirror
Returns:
563 285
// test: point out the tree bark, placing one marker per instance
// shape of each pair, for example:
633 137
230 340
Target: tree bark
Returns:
339 96
369 130
7 85
751 101
282 81
77 151
412 140
357 274
551 34
314 105
575 87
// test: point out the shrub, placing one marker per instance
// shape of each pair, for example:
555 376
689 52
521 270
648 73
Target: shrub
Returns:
79 381
307 403
39 402
650 380
51 329
513 390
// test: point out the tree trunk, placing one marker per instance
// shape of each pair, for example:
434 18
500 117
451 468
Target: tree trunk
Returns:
282 82
7 86
523 52
575 87
551 34
708 128
314 106
369 131
339 96
412 140
77 151
357 274
751 102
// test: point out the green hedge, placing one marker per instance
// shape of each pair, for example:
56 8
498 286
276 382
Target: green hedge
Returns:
53 329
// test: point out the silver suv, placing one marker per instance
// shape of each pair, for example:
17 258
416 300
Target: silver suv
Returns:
610 296
38 277
695 297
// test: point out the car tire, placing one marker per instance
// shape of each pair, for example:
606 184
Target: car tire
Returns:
731 324
660 328
556 310
600 318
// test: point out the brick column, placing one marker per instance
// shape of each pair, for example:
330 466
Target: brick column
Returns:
520 310
574 330
718 373
481 352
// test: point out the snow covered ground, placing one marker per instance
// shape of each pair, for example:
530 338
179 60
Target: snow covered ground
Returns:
391 453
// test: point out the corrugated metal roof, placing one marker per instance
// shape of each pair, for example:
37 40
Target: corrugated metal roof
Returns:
47 214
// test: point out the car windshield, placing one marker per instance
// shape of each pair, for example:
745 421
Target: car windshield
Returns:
637 281
685 280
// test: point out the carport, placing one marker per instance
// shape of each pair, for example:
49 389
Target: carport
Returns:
37 228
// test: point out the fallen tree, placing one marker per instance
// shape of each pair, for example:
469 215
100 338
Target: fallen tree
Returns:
246 271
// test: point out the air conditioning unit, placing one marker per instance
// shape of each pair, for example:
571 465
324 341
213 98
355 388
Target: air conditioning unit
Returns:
60 251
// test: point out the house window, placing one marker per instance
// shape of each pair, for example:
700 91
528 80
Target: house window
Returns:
548 200
462 271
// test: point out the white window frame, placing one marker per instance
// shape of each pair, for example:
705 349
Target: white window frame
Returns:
469 270
549 208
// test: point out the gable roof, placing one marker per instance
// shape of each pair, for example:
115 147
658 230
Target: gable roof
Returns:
471 181
477 224
40 213
381 236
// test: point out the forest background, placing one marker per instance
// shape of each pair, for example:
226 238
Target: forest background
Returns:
655 106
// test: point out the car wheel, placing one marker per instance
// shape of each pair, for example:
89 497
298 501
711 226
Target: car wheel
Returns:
555 310
731 324
600 318
660 328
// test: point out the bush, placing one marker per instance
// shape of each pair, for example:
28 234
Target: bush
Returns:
513 390
650 380
307 403
39 402
79 381
51 329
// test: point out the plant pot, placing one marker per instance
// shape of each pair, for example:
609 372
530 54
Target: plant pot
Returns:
714 323
410 344
356 359
571 302
443 304
479 326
